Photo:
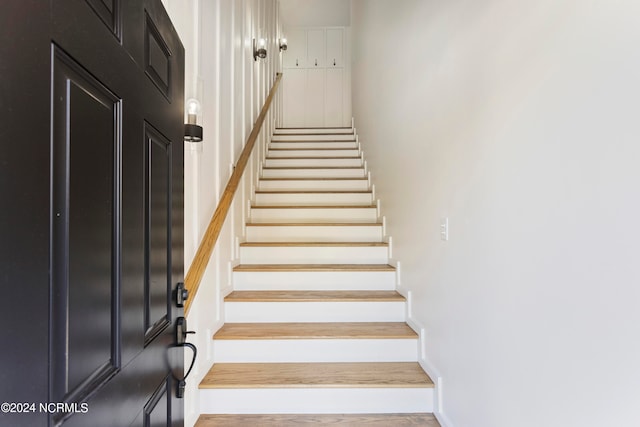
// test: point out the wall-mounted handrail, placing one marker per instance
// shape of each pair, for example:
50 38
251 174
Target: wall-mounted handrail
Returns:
202 256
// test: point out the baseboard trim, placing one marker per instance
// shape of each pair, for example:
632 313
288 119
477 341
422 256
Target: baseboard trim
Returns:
443 419
426 364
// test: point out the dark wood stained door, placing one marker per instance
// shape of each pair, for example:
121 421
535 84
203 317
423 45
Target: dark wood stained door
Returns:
91 179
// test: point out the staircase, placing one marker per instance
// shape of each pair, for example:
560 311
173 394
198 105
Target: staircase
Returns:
314 324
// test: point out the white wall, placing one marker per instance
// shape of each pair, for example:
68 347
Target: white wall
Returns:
232 88
518 121
315 13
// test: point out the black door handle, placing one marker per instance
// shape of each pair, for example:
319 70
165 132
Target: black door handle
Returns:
182 384
334 62
181 331
181 336
316 62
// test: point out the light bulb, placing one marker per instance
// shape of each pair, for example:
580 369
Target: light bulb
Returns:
193 109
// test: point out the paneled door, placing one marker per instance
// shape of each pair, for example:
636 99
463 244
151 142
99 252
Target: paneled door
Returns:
91 113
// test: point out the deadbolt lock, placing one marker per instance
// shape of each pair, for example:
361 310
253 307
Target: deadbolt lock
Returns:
182 294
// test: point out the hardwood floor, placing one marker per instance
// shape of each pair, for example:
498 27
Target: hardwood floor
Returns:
343 420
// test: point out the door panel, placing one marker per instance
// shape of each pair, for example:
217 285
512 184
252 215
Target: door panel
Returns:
295 86
85 227
109 12
296 53
333 114
314 101
158 410
315 49
98 90
335 47
158 233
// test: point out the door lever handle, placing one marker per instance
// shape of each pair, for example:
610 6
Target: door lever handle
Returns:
181 331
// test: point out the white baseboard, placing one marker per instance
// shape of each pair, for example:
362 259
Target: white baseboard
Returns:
443 419
428 367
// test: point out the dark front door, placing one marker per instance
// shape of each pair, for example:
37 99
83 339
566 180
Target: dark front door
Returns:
91 179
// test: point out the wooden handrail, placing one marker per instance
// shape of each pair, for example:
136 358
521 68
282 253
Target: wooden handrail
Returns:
202 256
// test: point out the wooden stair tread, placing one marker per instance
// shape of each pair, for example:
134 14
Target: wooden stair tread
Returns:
320 330
313 134
314 207
310 167
314 296
312 157
314 128
313 224
312 148
316 375
313 191
355 178
295 420
313 267
313 244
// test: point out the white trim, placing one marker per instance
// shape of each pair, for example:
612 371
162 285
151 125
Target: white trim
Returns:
316 400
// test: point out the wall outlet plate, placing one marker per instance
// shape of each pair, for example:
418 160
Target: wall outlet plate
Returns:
444 229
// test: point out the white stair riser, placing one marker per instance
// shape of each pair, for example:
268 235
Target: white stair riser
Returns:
330 199
316 401
314 281
334 137
314 255
313 153
315 184
270 312
308 131
321 144
311 162
315 350
310 233
314 215
314 173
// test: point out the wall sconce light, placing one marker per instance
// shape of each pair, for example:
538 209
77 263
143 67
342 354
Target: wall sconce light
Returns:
283 44
259 49
192 132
